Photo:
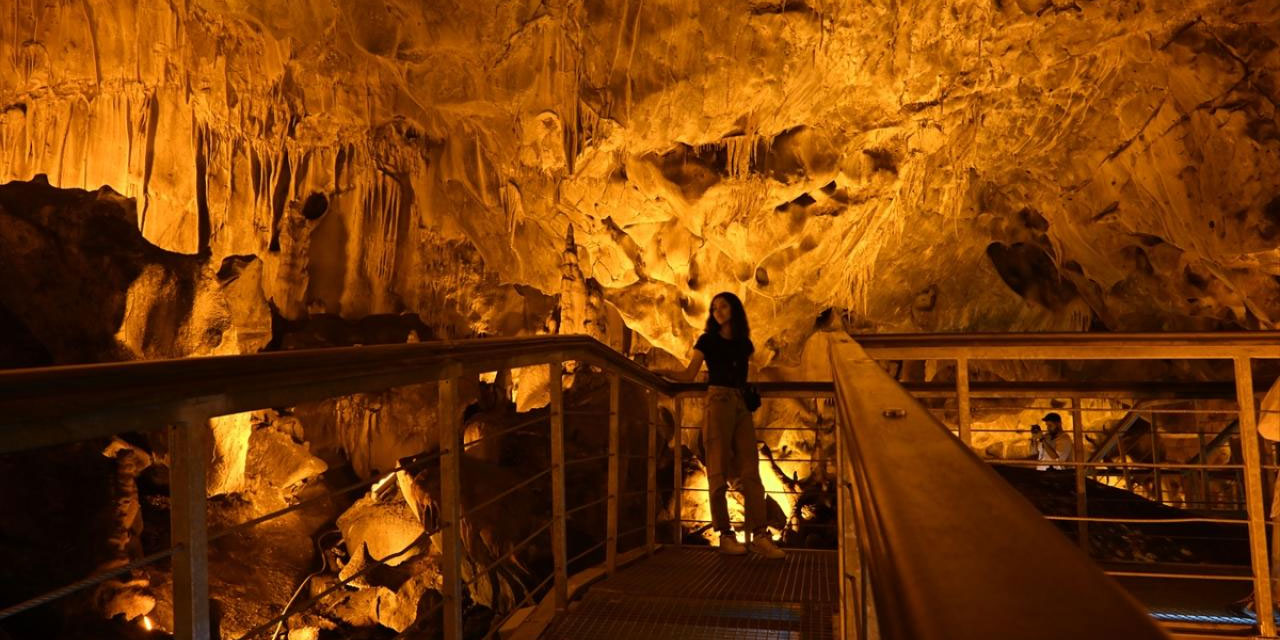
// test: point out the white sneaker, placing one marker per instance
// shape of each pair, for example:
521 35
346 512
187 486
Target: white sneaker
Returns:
730 546
765 547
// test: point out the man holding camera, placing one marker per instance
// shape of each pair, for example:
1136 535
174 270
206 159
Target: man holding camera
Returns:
1054 446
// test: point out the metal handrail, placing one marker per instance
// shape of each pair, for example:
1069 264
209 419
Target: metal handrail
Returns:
1125 409
55 405
1236 521
1114 390
951 552
523 424
1009 462
1060 345
107 398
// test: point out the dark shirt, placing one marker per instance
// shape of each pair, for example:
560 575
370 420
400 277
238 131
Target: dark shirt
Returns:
726 359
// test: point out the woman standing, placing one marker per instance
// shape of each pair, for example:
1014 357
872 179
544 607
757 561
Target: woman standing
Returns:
728 435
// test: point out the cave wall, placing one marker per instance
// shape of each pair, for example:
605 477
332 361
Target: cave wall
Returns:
970 165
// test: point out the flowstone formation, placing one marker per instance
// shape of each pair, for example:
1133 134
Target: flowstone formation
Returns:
973 165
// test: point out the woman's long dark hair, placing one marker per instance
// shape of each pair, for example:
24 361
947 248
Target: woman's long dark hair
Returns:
737 318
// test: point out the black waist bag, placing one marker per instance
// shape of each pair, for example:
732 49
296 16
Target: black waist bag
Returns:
751 397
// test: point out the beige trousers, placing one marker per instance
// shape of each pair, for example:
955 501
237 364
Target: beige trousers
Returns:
729 438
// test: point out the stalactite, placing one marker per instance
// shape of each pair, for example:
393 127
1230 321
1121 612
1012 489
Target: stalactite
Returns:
740 150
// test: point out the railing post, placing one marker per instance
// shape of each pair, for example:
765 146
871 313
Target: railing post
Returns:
450 416
651 478
857 617
189 449
1124 460
677 494
559 547
1158 487
965 417
1204 456
1082 498
842 537
615 467
1253 498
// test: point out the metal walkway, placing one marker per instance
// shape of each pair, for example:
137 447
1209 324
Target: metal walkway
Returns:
697 594
952 554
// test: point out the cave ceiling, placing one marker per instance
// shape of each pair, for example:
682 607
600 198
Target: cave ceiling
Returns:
976 165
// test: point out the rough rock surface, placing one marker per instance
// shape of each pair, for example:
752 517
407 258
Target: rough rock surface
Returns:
1007 165
380 529
83 285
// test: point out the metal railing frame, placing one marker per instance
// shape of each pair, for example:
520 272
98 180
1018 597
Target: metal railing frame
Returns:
56 405
1241 348
107 399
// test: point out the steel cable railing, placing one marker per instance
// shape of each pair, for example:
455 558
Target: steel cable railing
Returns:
955 552
331 373
516 548
523 424
80 585
584 507
51 406
510 490
525 601
592 549
418 463
99 578
586 459
381 562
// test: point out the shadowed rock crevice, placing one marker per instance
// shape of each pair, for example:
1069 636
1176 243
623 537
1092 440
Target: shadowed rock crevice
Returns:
1031 273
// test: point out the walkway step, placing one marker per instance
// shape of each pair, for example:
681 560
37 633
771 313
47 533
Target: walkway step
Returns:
698 594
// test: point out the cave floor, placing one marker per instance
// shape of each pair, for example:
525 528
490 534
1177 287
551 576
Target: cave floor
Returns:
697 593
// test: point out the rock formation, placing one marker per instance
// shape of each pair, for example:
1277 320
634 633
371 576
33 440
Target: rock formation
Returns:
978 165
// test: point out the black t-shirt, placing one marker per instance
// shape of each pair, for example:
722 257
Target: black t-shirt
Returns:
726 359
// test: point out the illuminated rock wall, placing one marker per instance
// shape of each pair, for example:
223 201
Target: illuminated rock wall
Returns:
497 167
972 165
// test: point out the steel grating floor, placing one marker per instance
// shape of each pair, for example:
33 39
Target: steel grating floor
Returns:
698 594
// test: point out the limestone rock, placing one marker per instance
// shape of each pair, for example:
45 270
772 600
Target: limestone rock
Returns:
276 461
88 287
261 453
381 528
975 166
400 610
359 608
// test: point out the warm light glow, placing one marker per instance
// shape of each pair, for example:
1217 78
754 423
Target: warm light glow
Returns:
379 484
1011 428
696 500
147 624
